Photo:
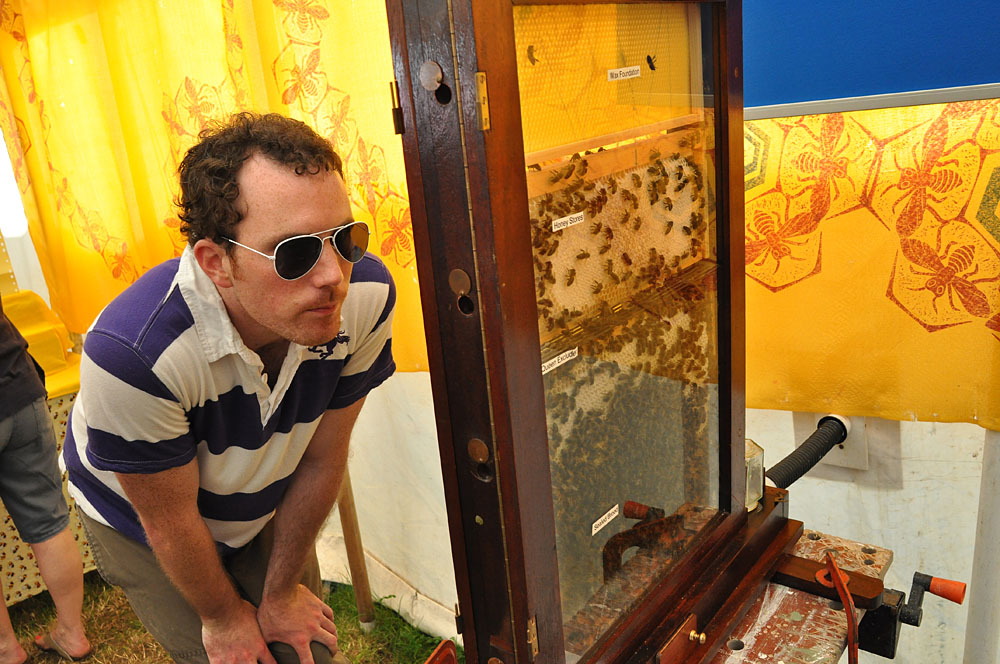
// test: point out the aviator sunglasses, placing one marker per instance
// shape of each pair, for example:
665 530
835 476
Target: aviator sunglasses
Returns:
295 256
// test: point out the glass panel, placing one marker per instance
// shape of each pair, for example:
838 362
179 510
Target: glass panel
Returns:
617 110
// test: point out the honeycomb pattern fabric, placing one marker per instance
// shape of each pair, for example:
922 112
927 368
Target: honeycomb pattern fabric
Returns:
873 262
20 577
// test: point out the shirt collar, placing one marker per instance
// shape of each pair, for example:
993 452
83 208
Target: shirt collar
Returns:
215 330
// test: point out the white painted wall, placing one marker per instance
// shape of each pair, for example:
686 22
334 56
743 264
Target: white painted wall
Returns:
399 495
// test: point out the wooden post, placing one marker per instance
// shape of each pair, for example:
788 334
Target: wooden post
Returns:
356 555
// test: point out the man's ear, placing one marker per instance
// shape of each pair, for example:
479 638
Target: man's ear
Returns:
214 262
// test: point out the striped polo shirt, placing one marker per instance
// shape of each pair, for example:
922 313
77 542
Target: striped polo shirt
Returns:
166 378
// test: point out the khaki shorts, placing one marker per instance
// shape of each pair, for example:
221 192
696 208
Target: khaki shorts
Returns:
125 563
30 483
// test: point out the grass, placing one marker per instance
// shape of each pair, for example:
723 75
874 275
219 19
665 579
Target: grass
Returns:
119 638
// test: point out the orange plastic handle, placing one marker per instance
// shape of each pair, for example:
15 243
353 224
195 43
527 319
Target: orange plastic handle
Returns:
950 590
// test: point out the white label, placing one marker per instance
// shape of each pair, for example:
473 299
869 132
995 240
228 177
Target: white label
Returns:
559 360
604 520
624 73
566 222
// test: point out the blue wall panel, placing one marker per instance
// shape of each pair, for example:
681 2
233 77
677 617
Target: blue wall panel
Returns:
805 50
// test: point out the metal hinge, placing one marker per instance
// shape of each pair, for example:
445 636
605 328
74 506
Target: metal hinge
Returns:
483 101
459 623
533 636
397 109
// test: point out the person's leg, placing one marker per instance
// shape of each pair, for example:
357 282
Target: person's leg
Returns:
31 486
61 567
11 651
157 603
248 568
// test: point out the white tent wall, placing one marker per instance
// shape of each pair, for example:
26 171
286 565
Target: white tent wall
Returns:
395 471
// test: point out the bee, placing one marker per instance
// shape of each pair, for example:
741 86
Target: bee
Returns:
624 219
589 186
608 233
604 248
681 185
609 266
626 258
582 255
596 287
654 195
531 55
668 203
582 167
669 227
636 180
637 224
627 275
596 227
570 276
613 184
654 155
686 229
651 61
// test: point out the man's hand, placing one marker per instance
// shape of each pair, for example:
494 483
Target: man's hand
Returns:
236 639
297 619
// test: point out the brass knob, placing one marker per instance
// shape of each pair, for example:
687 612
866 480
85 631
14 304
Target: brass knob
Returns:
478 451
696 636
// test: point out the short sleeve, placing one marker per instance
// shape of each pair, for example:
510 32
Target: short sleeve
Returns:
134 424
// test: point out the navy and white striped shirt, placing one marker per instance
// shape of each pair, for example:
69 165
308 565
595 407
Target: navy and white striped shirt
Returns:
165 378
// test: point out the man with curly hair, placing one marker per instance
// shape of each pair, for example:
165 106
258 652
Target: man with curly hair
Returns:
217 397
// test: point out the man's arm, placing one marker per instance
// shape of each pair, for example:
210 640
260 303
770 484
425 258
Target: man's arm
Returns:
168 509
288 611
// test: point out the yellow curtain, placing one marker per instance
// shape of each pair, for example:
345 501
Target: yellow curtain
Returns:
873 262
103 97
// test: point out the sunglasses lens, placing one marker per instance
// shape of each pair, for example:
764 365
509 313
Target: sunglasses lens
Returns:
296 256
352 241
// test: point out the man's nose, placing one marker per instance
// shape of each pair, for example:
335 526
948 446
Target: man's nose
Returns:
329 270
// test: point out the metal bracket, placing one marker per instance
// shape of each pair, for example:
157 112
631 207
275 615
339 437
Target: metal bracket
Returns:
533 636
482 101
397 109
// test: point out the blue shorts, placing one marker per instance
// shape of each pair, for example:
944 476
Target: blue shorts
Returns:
30 482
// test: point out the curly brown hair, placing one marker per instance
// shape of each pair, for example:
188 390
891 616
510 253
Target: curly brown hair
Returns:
207 201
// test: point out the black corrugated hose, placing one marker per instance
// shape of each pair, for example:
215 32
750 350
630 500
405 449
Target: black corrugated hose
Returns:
831 431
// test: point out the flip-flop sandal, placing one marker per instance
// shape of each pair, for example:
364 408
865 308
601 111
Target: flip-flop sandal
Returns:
47 643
